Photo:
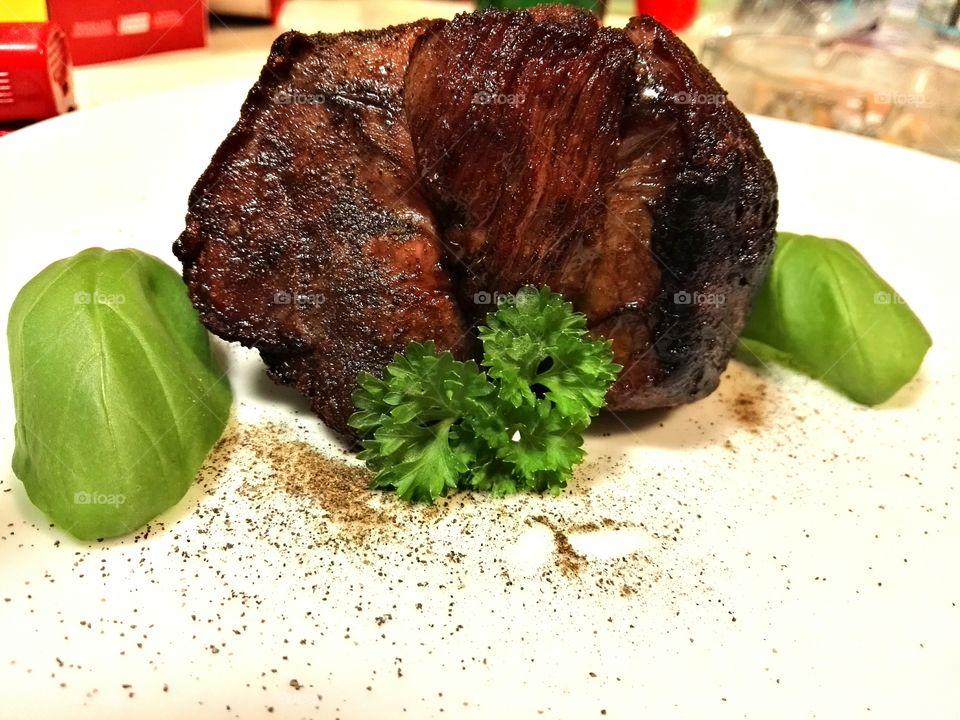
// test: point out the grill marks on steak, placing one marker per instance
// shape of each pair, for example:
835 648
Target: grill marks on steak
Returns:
307 237
441 160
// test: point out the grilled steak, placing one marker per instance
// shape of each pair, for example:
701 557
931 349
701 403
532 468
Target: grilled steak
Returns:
391 184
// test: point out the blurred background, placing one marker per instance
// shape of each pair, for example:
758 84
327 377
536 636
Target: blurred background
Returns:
888 69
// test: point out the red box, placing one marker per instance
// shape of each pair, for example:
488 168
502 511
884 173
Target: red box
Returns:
103 30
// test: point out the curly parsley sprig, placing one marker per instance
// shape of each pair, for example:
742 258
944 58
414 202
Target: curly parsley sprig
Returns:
434 424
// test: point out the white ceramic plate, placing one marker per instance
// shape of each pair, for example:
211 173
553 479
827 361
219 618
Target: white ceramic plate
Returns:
772 551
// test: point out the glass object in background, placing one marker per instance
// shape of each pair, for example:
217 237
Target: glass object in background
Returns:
886 93
819 18
596 6
942 16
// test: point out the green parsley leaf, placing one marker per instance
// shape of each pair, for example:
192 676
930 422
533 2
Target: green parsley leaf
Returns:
433 424
370 403
411 420
538 347
543 449
416 460
491 475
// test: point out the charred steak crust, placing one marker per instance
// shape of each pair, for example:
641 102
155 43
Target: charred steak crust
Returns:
307 237
378 183
714 229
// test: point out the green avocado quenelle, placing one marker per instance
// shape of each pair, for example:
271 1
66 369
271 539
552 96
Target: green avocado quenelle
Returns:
117 397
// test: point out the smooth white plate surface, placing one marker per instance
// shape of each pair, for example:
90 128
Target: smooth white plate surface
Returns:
772 551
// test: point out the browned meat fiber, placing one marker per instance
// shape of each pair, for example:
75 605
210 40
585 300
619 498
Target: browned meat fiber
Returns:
384 187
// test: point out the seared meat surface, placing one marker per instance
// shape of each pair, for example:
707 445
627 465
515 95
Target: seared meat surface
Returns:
307 236
516 123
389 184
